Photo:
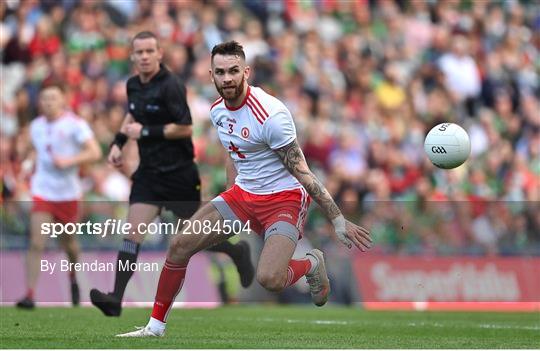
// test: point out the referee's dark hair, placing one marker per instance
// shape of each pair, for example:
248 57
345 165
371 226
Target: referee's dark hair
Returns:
146 34
229 48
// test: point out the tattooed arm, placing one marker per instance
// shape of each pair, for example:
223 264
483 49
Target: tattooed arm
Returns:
348 233
293 158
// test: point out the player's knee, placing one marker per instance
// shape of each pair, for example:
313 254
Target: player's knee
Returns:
179 251
272 281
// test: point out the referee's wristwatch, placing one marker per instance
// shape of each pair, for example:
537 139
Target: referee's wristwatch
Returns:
155 132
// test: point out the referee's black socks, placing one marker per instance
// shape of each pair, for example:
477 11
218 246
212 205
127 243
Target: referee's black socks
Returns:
126 256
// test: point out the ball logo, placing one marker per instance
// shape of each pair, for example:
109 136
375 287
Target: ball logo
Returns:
447 145
245 132
438 150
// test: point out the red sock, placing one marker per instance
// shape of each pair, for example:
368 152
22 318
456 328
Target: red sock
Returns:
297 269
30 294
170 282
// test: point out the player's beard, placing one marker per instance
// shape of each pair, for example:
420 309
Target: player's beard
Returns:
239 89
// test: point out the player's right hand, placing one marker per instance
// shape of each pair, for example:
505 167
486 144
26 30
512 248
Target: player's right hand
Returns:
115 156
359 236
349 233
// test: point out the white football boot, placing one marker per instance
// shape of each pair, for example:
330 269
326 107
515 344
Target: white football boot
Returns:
141 332
319 285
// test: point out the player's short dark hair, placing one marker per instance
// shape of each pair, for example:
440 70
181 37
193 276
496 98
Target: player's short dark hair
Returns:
145 34
53 83
228 48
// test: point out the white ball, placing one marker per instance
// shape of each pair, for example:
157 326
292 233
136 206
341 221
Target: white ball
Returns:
447 145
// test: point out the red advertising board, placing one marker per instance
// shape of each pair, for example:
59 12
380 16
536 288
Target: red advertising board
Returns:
448 283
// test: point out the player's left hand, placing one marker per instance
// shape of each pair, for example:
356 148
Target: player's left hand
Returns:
63 162
133 130
356 235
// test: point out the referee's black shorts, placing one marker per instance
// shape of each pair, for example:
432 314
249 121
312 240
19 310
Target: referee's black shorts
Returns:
178 190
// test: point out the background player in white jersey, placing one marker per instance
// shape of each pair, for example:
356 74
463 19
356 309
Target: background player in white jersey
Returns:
271 181
62 141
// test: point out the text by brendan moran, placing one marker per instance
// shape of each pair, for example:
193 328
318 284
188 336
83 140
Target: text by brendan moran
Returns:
96 266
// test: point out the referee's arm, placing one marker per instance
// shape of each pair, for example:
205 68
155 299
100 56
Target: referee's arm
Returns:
177 131
176 103
120 139
127 120
174 94
135 130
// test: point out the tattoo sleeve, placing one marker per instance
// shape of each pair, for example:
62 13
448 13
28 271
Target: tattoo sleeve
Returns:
293 158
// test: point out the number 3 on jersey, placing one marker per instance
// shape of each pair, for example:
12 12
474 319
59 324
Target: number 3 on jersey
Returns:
230 128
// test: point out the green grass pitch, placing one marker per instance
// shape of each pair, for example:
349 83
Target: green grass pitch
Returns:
256 327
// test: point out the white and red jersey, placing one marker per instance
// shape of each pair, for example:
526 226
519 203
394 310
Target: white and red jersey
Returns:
250 133
63 137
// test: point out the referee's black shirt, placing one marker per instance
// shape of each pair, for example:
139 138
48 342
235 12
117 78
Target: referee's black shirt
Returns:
161 101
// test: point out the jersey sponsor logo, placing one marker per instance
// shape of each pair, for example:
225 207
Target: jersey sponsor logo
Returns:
236 149
438 150
220 124
245 132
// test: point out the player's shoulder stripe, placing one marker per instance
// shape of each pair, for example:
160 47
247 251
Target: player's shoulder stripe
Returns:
258 103
253 105
217 102
260 118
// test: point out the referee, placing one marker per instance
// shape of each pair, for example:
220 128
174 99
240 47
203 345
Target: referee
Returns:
160 120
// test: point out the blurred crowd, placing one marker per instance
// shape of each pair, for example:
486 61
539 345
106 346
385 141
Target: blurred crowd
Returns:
364 80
